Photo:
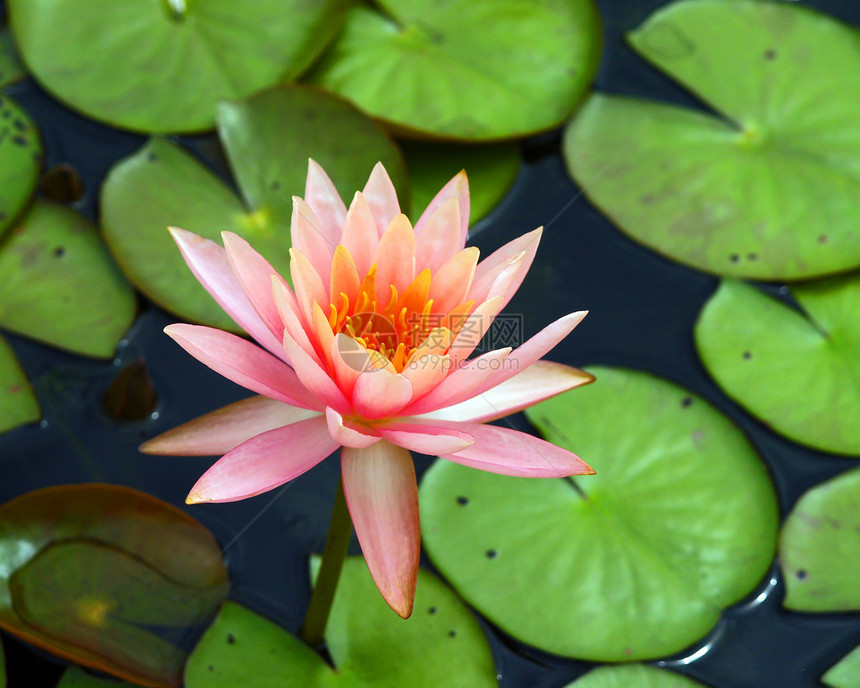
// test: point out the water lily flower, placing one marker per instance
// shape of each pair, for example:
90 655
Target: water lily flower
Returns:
369 352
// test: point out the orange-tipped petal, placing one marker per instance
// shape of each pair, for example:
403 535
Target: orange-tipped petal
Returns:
264 462
314 377
325 202
381 197
382 496
395 256
211 266
292 320
244 363
452 282
457 188
308 284
489 268
360 235
308 238
220 431
380 393
344 277
349 434
439 238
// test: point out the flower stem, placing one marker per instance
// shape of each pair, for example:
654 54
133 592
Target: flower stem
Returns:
339 532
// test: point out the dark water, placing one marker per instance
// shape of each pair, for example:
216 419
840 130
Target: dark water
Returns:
642 312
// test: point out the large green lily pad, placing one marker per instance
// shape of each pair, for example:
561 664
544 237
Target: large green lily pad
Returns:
173 60
480 70
820 548
59 285
440 645
18 404
492 169
75 677
10 67
635 562
633 676
91 572
845 674
797 371
767 188
268 139
20 159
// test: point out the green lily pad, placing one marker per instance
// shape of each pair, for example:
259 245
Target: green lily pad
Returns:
75 677
440 645
89 572
268 139
633 563
796 371
633 676
845 674
819 548
18 404
59 285
768 189
20 159
10 66
492 170
478 71
174 60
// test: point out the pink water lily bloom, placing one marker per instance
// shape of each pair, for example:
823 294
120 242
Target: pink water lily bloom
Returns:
368 352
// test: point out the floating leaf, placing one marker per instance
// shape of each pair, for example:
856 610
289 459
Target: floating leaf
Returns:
174 60
75 677
440 645
18 404
633 676
766 190
10 67
845 674
480 70
794 370
89 572
20 159
820 548
635 562
268 139
491 168
59 285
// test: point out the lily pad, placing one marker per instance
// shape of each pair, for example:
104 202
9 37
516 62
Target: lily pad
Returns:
75 677
268 139
174 60
633 676
59 285
820 548
10 67
20 159
18 404
91 572
845 674
633 563
797 371
492 169
440 645
476 71
768 187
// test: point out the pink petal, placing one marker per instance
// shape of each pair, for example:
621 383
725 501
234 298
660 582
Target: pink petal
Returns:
220 431
308 238
382 496
325 202
314 377
209 264
308 284
244 363
395 257
425 372
380 393
349 434
439 239
538 382
462 383
292 320
360 235
489 268
349 359
510 452
426 439
453 280
473 329
264 462
381 197
457 188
